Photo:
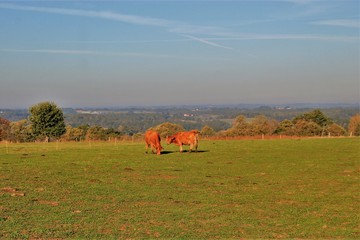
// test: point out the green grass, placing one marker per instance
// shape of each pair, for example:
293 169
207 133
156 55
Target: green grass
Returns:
306 188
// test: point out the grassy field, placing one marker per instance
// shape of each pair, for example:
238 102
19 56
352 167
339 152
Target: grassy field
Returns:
306 188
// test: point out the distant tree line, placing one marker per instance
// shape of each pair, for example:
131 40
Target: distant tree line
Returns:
313 123
46 122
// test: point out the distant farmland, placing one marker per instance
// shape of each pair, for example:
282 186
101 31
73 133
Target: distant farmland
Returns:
289 188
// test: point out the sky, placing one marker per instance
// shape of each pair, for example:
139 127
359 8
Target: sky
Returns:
172 52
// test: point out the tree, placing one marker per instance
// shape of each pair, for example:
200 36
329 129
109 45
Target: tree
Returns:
335 130
312 123
47 120
354 125
96 133
4 129
315 116
168 129
240 127
286 127
73 134
307 128
207 131
261 125
20 131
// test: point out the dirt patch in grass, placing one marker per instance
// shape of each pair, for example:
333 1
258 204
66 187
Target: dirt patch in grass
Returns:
14 192
160 176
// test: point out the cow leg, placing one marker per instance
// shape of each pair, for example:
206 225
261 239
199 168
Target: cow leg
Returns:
191 147
153 149
146 147
181 148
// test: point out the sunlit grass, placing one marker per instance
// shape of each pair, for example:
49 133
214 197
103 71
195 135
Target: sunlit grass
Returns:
304 188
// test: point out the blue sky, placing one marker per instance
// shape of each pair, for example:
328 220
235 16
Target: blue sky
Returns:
143 53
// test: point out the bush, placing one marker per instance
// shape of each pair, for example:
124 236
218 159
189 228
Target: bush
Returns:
335 130
354 125
307 128
168 129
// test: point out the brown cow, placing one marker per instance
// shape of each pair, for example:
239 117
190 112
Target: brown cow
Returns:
185 138
152 138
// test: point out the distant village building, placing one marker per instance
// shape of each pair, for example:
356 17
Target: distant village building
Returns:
87 111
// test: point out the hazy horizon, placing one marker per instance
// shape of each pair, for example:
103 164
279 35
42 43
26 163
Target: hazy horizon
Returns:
192 106
161 53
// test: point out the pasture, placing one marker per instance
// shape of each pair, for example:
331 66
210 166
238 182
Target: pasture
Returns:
304 188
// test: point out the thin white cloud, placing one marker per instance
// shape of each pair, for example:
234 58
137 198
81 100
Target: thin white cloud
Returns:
171 26
305 37
187 30
350 23
83 52
202 40
301 2
134 19
103 53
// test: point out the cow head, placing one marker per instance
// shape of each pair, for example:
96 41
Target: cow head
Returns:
170 139
158 149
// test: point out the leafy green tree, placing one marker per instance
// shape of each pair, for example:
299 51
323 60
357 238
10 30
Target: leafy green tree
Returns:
73 134
315 116
96 133
286 127
47 120
308 128
112 133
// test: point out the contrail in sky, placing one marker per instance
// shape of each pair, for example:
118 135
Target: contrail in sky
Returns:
339 23
186 29
101 53
97 14
83 52
172 26
207 42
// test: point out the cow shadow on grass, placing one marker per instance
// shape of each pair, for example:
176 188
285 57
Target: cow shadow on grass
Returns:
184 151
167 152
